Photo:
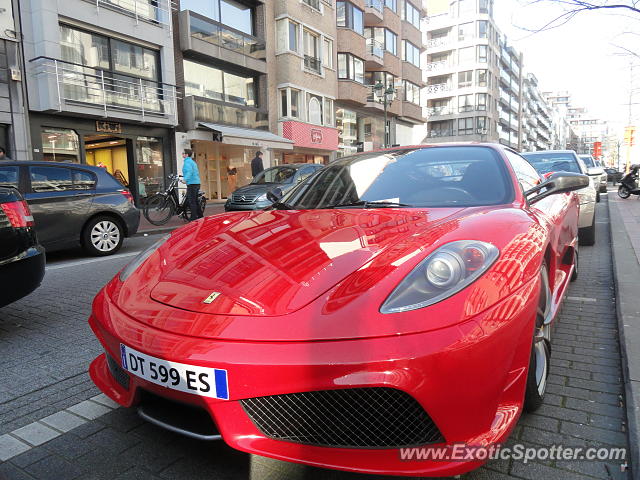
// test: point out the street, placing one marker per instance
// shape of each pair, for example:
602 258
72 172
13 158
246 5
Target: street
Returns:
46 346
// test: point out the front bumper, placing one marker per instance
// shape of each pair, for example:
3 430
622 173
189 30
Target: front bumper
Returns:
243 207
462 376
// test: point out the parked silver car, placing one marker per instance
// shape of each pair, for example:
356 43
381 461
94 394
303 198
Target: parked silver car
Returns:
547 161
595 171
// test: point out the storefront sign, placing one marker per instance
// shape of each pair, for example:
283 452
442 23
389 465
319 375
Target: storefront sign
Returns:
310 136
108 127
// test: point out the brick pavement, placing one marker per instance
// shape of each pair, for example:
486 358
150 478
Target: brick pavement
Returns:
583 407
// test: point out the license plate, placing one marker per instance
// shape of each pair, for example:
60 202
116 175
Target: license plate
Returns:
203 381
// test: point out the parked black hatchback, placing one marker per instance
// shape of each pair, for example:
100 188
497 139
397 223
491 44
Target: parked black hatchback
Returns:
74 204
21 258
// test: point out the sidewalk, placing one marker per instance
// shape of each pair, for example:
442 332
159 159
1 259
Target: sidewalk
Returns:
625 244
213 207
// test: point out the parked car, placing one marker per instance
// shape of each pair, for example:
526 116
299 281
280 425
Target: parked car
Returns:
613 175
396 298
277 180
21 258
547 161
595 171
74 204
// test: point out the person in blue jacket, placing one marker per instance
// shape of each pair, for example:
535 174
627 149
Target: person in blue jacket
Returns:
191 177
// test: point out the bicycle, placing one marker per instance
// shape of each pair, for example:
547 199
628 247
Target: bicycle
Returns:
160 207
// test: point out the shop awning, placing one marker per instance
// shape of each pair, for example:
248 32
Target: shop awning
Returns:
248 136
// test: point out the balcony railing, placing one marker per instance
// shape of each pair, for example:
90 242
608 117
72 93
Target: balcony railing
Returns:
315 4
374 47
213 111
434 66
153 11
218 34
110 91
438 42
312 63
437 88
375 4
433 111
442 133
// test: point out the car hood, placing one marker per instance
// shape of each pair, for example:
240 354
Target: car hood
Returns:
310 275
259 189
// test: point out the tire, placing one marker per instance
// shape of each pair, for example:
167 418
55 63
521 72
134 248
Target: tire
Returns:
603 188
587 235
540 349
158 209
623 192
102 235
186 213
598 196
576 258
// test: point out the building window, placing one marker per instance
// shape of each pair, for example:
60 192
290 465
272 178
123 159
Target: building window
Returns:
350 67
328 112
482 125
465 79
411 14
60 145
350 16
465 126
210 82
481 101
465 103
311 45
390 42
481 78
315 109
465 55
465 31
294 103
230 13
391 4
482 54
327 53
293 35
411 92
482 28
287 32
411 53
483 6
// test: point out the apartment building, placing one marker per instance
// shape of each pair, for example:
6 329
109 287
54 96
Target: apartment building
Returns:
588 129
222 50
563 135
379 43
302 78
463 74
510 96
538 131
101 85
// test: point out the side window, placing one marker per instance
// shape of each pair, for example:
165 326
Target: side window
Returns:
304 173
527 175
9 176
83 180
50 179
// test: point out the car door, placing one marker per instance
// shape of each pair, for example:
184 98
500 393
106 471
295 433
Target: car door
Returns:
59 200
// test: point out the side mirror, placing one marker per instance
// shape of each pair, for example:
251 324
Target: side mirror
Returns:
560 182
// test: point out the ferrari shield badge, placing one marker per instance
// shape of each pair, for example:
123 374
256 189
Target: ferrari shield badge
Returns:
211 297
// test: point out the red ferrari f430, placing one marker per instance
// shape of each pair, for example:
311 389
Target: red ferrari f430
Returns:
398 298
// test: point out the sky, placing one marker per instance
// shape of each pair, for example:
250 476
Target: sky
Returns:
580 56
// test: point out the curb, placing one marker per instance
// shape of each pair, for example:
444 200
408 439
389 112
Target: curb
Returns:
627 277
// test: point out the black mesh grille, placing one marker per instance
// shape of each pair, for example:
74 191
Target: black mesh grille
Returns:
352 418
118 373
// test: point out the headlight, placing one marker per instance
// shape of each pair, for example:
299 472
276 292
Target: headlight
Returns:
443 273
142 256
262 198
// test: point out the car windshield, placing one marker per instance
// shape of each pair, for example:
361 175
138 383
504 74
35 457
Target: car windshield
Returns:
553 162
588 161
426 177
275 175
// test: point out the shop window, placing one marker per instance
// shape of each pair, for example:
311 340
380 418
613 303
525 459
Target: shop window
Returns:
60 145
149 166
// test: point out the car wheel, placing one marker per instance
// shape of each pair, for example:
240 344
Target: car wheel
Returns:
576 258
598 196
623 192
540 349
603 188
587 235
102 236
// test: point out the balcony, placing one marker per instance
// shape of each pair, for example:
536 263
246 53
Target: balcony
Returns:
441 133
412 113
438 42
150 11
439 21
438 88
504 117
375 54
198 109
439 111
313 64
373 12
436 66
206 37
69 87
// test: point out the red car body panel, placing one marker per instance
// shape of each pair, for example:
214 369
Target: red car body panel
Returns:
300 311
